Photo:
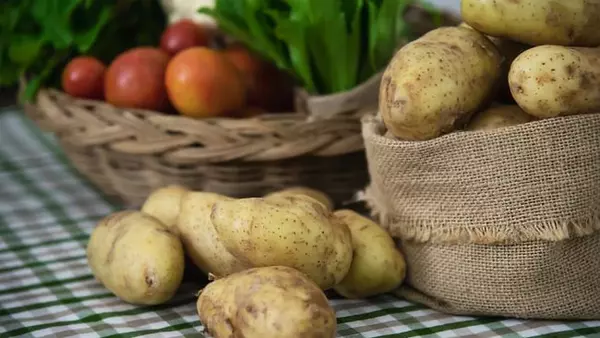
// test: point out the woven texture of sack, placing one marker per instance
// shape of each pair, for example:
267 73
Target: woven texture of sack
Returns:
501 222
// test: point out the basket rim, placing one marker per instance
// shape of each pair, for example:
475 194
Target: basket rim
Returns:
183 140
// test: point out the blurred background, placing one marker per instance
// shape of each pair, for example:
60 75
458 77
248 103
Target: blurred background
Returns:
450 5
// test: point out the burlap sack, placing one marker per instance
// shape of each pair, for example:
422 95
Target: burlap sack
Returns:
363 97
502 223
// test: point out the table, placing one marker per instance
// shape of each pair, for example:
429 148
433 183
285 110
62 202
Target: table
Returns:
46 289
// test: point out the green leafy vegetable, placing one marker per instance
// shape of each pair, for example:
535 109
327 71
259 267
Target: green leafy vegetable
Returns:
329 45
38 37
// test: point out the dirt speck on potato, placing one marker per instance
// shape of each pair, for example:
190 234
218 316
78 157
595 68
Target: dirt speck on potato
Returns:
149 279
570 69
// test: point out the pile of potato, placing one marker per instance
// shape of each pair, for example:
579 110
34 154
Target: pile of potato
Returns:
270 258
510 62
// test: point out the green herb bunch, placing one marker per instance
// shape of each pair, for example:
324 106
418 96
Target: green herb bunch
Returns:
38 37
328 45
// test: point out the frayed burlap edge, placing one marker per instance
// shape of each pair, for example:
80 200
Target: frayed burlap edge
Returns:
363 97
425 231
374 202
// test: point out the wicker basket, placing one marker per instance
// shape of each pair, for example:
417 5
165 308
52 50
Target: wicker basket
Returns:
127 153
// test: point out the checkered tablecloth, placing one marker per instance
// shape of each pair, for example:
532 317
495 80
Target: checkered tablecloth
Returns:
46 289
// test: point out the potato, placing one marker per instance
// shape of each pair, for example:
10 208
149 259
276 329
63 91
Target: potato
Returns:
548 81
498 117
378 266
536 22
274 301
200 240
136 257
163 204
290 231
316 194
434 84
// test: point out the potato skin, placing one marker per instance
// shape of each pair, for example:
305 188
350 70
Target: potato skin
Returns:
200 240
316 194
499 117
290 231
136 257
163 204
274 301
536 22
377 266
549 81
433 84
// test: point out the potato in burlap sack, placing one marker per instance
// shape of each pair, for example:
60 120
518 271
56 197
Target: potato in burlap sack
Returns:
503 222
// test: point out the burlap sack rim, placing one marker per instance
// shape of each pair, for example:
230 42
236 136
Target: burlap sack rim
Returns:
363 95
423 231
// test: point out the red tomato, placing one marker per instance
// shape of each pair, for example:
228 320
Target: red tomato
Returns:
135 79
183 35
84 77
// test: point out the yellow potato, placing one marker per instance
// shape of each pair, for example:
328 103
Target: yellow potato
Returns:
549 81
434 84
164 203
200 240
316 194
378 266
291 231
136 257
498 117
275 301
536 22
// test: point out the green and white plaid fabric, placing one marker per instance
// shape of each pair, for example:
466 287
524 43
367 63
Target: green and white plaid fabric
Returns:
46 289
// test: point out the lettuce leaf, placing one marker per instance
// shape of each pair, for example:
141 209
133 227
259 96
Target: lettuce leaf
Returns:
328 45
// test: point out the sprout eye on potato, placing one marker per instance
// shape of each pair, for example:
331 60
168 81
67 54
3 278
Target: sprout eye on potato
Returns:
549 81
300 234
274 301
435 83
536 22
136 257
